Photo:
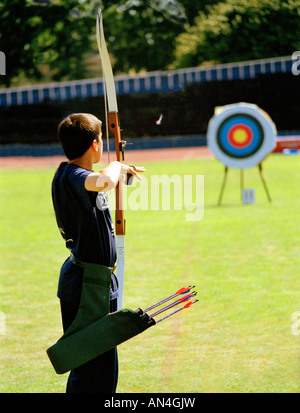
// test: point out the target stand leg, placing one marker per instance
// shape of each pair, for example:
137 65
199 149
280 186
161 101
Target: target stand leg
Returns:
264 182
223 185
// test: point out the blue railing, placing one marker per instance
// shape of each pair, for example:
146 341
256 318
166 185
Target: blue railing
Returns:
150 82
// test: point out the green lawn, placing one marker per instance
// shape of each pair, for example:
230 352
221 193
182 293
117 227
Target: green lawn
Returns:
244 260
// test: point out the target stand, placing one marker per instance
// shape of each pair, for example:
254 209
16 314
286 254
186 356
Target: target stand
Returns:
242 183
241 135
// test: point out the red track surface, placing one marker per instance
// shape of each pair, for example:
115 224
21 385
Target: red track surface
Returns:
132 156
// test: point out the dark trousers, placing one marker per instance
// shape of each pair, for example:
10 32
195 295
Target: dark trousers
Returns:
99 375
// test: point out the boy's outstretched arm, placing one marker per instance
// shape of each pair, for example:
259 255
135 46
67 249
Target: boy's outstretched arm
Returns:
108 177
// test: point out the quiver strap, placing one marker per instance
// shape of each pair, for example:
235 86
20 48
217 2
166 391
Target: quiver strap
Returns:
94 330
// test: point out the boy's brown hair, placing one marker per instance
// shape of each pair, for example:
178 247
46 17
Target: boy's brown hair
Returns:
77 132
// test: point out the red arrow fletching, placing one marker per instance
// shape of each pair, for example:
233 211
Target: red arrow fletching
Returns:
188 304
179 309
186 297
183 290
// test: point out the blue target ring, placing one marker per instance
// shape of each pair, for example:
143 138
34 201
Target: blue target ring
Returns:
240 136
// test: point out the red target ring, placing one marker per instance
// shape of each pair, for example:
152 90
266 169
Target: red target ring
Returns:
240 136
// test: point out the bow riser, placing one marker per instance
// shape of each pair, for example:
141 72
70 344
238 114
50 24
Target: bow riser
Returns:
113 123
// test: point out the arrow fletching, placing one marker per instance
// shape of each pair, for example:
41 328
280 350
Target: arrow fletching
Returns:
178 292
180 300
187 305
184 290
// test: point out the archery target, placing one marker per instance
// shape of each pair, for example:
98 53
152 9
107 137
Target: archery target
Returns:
241 135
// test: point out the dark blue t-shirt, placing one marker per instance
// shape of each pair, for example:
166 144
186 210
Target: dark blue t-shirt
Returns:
84 221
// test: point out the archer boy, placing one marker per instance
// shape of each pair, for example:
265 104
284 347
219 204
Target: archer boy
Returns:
84 221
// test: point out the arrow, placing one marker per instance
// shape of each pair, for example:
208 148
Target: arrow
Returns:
159 120
167 307
187 305
178 292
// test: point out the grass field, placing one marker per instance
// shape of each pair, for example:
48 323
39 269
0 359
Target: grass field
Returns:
244 260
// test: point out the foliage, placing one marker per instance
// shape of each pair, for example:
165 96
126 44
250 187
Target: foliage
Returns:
237 30
53 37
142 33
33 36
140 37
192 8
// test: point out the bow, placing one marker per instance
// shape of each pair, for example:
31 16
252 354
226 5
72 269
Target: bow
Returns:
114 127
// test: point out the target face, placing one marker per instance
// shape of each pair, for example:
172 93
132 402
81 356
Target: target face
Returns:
241 135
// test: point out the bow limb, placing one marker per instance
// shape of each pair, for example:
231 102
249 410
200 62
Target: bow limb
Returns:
114 127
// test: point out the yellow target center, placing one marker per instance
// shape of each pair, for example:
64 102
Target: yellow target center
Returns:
240 136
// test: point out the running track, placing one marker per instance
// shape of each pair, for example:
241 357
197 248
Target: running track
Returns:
131 156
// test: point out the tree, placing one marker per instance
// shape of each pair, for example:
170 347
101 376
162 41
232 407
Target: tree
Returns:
192 8
237 30
142 33
55 36
33 36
